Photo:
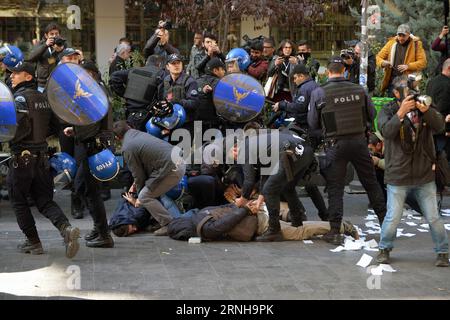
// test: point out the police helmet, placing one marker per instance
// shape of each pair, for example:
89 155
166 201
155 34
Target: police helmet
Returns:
178 191
104 165
64 169
11 56
242 57
153 129
175 121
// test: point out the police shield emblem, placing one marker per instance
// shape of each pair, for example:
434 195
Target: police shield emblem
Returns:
239 98
75 96
8 119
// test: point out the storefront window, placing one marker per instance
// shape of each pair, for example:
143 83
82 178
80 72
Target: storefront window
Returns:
22 22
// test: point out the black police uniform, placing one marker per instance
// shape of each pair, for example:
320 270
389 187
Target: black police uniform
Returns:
206 111
294 161
139 88
29 169
344 111
182 91
90 140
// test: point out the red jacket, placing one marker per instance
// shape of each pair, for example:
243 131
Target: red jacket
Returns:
258 69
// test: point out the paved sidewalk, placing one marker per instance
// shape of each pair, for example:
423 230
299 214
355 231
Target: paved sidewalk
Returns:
150 267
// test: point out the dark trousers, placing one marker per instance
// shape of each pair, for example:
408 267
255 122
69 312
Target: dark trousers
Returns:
356 152
33 179
86 186
205 190
277 185
317 199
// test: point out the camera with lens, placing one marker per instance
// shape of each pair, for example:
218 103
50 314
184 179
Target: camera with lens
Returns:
348 54
60 42
166 25
250 42
413 79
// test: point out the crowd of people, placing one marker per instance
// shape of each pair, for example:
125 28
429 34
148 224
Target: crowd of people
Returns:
218 200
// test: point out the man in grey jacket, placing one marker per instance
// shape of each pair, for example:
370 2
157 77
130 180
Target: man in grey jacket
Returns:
408 128
150 162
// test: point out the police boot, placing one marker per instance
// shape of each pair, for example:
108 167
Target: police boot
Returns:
76 206
105 193
31 247
333 236
104 240
71 235
273 233
297 219
92 234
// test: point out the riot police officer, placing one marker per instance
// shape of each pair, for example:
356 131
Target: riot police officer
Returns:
139 87
29 172
344 112
90 140
178 87
294 158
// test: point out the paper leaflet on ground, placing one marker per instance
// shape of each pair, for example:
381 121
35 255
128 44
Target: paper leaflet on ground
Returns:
378 271
308 242
422 230
447 226
364 261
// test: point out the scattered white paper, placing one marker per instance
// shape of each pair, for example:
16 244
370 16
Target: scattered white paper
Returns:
373 225
387 268
373 211
399 232
409 235
447 226
371 217
308 242
370 231
350 245
338 249
370 249
378 271
365 261
422 230
372 244
417 218
425 226
412 224
447 211
446 214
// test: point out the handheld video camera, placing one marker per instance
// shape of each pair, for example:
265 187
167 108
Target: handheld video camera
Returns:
249 42
347 54
413 90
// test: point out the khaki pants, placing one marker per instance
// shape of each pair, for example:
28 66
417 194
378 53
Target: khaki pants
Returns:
307 231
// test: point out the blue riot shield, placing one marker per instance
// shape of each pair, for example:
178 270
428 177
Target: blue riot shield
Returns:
239 98
8 119
75 96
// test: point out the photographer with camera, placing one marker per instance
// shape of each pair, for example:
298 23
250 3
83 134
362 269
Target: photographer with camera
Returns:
159 42
280 67
352 59
212 50
408 126
402 55
45 54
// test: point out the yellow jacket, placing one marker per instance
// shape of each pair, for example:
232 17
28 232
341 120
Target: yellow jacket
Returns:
415 58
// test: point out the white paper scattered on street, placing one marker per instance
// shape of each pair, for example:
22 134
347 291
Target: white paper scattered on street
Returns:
425 226
338 249
308 242
370 231
409 235
446 211
370 249
417 218
364 261
372 244
350 245
447 226
378 271
412 224
387 268
371 217
422 230
373 211
373 225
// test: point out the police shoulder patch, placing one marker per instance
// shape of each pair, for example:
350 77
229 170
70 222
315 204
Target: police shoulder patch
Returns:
301 99
20 99
194 93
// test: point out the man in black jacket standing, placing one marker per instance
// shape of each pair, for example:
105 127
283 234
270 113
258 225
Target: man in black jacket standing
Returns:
29 170
159 43
408 127
45 54
211 51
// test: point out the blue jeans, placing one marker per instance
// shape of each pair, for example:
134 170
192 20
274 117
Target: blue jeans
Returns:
173 209
425 195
